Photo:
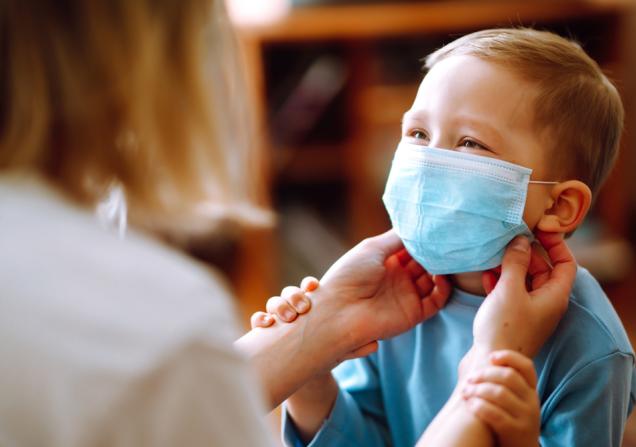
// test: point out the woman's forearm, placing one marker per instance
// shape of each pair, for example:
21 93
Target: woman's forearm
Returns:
454 425
273 356
286 356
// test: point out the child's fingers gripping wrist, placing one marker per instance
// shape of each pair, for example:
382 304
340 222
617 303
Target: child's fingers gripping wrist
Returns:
261 319
519 362
499 376
297 298
278 306
309 284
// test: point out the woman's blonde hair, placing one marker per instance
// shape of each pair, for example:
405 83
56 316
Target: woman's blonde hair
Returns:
577 105
144 93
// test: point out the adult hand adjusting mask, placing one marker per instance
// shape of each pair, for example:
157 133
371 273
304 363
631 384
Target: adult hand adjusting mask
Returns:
455 212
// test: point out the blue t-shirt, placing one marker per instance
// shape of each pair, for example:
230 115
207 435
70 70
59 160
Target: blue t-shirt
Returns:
586 376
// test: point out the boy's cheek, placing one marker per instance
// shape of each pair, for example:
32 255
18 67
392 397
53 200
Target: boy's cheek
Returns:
536 206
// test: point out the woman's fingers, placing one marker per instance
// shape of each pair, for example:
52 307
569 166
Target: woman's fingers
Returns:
553 294
386 244
261 319
438 296
424 285
515 264
539 270
441 291
489 281
562 259
403 257
415 270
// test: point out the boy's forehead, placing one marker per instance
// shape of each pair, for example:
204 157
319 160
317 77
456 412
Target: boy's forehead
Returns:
464 96
481 90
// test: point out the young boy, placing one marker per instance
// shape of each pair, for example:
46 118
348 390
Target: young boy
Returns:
529 128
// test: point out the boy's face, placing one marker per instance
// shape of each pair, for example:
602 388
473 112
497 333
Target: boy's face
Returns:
470 105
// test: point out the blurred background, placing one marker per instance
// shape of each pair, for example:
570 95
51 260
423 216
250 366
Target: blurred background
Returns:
328 83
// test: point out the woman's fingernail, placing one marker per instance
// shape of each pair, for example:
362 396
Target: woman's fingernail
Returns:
521 243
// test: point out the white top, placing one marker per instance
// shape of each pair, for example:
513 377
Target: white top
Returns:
110 342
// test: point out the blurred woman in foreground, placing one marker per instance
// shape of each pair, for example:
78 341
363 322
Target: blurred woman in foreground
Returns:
134 109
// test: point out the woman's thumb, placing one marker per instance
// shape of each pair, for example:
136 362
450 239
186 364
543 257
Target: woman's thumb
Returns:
388 243
516 261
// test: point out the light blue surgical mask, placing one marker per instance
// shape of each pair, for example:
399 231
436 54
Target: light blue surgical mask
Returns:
455 212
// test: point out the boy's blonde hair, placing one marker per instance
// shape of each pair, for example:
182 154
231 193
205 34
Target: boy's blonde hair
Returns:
143 93
577 105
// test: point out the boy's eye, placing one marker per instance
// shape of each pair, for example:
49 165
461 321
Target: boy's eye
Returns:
418 134
472 144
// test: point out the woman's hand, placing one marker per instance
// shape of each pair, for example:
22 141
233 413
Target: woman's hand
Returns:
522 309
376 290
525 304
292 302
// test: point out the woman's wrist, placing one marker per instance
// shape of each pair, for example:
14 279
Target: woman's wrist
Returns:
476 358
287 356
332 321
455 425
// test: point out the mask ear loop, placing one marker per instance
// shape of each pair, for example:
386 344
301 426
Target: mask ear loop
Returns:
540 182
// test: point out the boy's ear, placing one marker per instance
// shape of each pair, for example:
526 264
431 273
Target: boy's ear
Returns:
571 201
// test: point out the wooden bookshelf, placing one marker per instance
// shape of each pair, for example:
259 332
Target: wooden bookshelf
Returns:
374 106
395 19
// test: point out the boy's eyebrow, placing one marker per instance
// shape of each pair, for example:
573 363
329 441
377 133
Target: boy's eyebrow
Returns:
482 126
410 114
462 119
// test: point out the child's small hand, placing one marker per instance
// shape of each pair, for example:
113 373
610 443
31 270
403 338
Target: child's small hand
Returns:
504 397
292 302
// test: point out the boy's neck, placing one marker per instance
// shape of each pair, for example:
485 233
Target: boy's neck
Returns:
469 282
